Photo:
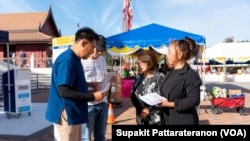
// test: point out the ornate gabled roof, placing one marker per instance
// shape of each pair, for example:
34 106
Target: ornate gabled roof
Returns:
25 27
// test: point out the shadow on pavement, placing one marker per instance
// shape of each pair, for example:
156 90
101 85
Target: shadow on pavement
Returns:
125 105
204 122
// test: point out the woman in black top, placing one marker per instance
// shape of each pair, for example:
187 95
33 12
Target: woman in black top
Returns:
181 86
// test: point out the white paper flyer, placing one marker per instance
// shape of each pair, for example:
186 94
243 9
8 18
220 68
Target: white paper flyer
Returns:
106 81
152 98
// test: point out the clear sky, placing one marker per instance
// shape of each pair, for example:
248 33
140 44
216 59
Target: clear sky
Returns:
214 19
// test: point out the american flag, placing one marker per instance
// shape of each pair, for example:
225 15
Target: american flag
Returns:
127 14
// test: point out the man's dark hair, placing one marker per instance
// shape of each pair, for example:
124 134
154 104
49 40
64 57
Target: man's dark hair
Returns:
86 33
101 43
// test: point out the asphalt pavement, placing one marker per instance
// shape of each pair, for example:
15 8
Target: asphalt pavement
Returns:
125 115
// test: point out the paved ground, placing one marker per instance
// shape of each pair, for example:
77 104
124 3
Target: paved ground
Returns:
126 114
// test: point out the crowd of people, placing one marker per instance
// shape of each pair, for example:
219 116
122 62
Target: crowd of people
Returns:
77 105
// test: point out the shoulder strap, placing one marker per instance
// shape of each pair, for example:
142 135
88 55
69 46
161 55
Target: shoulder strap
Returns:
138 79
158 81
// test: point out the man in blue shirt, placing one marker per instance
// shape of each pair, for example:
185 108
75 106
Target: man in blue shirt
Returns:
67 105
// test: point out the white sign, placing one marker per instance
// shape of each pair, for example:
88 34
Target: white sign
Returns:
61 44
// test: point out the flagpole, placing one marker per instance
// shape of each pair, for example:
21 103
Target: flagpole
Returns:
124 25
127 16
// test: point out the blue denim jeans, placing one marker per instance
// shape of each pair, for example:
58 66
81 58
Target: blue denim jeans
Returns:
98 115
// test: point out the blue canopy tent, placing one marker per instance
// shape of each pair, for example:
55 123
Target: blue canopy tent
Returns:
4 36
4 39
153 35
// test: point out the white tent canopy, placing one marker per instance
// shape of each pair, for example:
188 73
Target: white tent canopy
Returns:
235 51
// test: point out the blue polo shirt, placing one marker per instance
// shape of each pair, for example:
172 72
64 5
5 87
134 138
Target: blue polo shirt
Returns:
67 70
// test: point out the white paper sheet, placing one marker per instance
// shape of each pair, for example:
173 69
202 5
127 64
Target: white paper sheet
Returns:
106 84
152 98
106 81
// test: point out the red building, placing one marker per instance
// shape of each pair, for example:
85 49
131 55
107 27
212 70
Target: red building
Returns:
30 33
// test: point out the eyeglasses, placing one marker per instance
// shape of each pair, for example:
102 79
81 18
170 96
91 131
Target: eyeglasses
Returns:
142 63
